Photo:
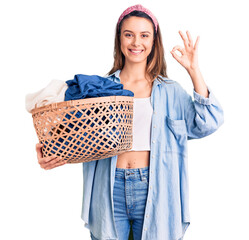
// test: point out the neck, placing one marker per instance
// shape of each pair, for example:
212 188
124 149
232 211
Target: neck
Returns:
134 71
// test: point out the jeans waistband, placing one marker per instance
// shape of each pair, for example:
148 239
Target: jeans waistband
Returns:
132 172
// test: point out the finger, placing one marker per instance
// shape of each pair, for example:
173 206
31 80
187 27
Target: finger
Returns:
58 164
185 40
197 43
51 162
46 160
179 48
178 58
38 148
190 39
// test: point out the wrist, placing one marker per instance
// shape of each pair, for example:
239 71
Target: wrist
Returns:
193 70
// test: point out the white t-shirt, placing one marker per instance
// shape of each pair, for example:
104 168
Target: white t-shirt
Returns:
142 116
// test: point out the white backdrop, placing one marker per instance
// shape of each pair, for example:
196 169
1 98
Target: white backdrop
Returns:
56 39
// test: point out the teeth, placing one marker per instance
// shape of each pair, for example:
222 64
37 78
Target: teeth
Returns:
136 51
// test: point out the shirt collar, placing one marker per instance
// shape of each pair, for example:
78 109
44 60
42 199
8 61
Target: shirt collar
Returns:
117 73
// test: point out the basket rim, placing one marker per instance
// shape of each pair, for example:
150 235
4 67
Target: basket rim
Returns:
71 103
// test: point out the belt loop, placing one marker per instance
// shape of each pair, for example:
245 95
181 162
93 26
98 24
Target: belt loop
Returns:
141 175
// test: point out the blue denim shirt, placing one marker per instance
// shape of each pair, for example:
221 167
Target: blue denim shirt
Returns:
176 118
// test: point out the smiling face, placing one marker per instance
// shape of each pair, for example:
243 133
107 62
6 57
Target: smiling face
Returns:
136 39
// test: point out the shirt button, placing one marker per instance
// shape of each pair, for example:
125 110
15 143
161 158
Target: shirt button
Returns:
154 126
153 156
155 112
153 141
150 187
145 229
149 201
147 216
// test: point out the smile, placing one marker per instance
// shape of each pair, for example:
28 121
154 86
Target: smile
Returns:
136 52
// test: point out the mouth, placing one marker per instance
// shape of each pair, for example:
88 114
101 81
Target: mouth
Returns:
135 52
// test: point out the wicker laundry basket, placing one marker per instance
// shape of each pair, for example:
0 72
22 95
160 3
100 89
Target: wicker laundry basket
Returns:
87 129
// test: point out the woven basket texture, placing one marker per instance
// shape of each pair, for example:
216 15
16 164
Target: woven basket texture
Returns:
87 129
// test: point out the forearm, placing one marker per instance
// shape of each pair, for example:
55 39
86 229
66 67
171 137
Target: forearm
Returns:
198 82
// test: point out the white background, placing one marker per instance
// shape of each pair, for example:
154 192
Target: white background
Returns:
56 39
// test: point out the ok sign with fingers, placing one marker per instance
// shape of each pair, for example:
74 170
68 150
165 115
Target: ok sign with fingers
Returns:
189 58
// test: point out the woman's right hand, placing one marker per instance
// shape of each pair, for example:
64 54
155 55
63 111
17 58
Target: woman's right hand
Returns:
48 162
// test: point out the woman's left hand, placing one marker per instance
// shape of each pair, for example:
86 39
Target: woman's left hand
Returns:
189 57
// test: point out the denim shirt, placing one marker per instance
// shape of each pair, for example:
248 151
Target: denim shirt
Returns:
176 119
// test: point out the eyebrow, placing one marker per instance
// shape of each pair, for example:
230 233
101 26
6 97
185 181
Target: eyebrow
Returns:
141 32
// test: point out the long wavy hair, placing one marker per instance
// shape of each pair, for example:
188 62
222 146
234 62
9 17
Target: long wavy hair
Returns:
156 64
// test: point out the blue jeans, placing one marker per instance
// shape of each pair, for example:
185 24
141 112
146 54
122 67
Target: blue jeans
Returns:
129 196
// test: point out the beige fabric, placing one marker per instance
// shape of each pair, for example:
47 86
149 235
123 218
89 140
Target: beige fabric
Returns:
52 93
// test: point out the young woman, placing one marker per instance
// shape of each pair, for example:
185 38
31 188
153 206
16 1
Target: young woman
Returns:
148 186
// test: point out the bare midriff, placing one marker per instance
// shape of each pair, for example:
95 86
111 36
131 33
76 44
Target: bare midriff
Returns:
133 159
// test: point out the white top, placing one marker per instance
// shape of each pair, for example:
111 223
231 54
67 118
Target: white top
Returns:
142 115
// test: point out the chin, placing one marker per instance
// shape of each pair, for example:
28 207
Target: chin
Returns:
136 60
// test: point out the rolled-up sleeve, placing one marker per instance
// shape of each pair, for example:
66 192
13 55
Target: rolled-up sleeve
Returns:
203 115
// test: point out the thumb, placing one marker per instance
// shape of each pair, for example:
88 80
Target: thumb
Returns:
38 149
176 56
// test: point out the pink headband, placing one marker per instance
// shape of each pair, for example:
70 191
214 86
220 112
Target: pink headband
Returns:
140 8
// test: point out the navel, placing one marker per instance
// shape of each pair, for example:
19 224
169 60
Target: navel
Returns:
128 165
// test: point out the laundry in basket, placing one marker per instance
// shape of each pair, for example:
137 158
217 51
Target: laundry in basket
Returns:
87 129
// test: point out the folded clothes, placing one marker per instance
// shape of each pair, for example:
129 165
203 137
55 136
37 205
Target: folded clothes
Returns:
53 92
89 86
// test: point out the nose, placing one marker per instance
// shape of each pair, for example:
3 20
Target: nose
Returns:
136 41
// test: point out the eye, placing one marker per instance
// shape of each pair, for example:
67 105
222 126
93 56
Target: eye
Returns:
145 35
128 35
